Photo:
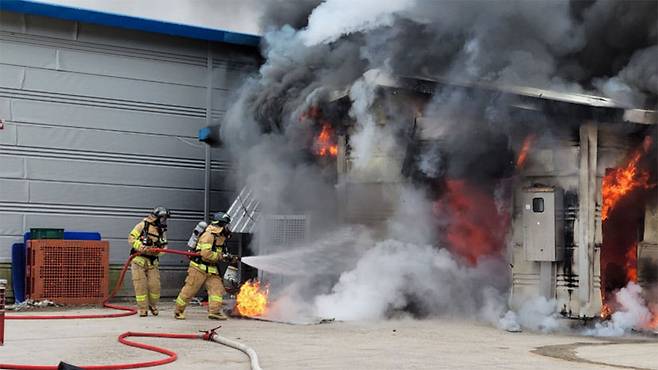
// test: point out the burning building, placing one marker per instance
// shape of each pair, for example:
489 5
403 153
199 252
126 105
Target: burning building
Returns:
570 199
417 123
567 193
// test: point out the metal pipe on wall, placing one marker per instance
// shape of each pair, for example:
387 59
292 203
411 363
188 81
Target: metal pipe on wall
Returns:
208 156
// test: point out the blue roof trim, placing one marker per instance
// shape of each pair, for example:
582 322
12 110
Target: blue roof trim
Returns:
125 21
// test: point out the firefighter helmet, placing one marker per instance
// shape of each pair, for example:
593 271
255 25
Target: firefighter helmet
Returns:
161 212
220 218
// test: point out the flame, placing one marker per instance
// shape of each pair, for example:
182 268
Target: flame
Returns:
252 299
653 324
631 263
623 180
313 112
606 312
325 144
476 225
525 149
622 190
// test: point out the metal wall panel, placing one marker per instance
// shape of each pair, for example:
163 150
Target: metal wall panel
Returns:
8 134
85 114
106 141
5 109
13 190
58 82
12 167
27 55
12 224
10 76
143 41
142 68
101 125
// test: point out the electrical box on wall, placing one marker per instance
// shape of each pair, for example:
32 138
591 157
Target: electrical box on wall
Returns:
543 224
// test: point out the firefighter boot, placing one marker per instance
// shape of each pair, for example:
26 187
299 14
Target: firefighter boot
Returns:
217 316
154 310
179 312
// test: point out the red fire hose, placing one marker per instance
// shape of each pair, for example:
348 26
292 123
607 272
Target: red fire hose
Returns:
171 355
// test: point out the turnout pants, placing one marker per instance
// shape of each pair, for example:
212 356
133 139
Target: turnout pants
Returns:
146 281
193 282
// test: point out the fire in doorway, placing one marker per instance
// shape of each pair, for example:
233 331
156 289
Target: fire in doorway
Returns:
325 143
624 192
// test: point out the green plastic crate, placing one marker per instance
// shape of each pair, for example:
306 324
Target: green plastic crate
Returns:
36 234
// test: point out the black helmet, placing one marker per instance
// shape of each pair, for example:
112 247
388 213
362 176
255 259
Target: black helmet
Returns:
220 218
161 212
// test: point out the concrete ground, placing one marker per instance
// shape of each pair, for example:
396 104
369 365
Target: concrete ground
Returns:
398 344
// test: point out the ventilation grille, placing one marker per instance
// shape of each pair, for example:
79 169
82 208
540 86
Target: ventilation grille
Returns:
68 271
284 229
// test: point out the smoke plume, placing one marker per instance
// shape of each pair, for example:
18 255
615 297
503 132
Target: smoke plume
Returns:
432 252
633 314
537 314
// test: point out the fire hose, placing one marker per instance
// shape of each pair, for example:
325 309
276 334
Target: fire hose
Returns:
210 335
253 357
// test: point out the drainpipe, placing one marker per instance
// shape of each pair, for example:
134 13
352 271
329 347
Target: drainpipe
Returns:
208 157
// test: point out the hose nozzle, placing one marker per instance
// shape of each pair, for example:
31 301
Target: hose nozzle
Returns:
208 334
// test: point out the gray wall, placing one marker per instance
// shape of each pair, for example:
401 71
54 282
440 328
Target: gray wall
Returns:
101 125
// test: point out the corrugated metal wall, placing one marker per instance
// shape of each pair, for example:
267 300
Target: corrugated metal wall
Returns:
101 125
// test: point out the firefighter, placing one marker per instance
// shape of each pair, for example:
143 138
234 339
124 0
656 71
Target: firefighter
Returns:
148 233
204 269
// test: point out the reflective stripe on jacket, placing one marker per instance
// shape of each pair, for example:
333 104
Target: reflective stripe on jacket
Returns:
157 236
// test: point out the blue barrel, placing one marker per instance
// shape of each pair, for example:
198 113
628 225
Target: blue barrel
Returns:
18 252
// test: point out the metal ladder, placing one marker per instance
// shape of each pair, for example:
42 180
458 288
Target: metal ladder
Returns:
244 212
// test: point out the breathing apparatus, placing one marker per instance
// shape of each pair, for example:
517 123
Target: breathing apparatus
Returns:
231 277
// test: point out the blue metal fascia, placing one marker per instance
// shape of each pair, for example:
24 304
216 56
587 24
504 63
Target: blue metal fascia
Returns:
124 21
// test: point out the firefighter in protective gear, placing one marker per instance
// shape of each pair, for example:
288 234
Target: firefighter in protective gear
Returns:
147 234
204 269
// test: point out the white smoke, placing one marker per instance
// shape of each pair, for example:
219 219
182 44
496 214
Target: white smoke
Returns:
631 314
412 220
336 251
535 314
348 275
618 90
364 139
369 139
395 277
431 162
336 18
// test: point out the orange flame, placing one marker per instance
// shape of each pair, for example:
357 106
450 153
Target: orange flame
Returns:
252 299
653 324
631 263
325 144
525 149
623 180
621 190
606 312
477 227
